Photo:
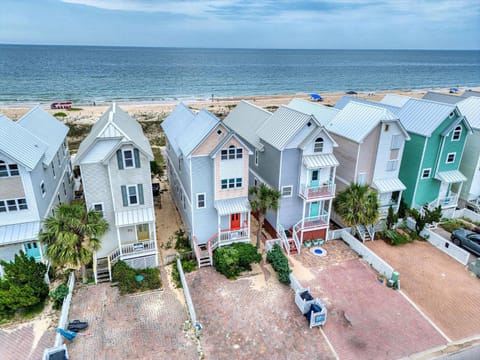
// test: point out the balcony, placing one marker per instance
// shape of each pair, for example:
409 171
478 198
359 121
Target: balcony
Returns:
448 201
132 250
228 236
317 192
312 223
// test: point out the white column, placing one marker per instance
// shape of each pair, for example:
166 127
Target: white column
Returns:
248 224
118 239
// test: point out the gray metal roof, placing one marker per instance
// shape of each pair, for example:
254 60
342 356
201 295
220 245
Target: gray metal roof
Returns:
357 120
232 206
175 123
450 177
47 128
20 144
322 113
388 185
284 123
245 119
320 161
115 123
470 108
395 100
424 116
201 125
346 99
140 215
20 232
443 98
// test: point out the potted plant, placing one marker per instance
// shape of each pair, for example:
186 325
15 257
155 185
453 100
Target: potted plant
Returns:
308 243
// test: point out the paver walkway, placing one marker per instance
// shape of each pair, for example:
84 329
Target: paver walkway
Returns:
442 287
366 319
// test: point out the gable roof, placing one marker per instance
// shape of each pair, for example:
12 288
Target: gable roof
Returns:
20 144
227 138
323 114
395 100
175 123
282 125
346 99
357 120
245 119
192 135
116 124
51 131
470 108
444 98
469 93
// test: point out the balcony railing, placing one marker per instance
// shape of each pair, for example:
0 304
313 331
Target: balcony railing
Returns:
311 223
383 209
314 192
449 201
229 236
132 250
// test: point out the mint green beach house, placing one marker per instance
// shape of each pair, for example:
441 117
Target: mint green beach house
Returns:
431 159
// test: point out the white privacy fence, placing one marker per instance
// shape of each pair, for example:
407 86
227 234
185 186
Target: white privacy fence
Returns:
467 214
65 309
337 234
188 298
446 246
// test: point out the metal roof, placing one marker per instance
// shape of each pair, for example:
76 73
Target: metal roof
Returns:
357 120
388 185
323 114
232 206
245 119
423 117
47 128
470 108
347 99
102 148
469 93
20 144
20 232
196 131
450 177
443 98
175 123
320 161
284 123
139 215
395 100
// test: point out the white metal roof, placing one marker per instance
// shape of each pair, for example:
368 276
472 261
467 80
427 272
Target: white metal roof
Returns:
14 233
196 131
470 108
47 128
140 215
356 120
100 150
323 114
175 123
450 177
20 144
245 119
284 123
232 206
395 100
320 161
388 185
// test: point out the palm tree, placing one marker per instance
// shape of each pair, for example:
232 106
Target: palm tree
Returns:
263 199
72 235
357 205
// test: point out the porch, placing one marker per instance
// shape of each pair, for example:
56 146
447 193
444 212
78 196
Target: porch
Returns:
389 194
310 192
317 176
450 180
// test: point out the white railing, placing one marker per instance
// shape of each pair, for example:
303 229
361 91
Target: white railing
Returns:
467 214
450 200
196 248
283 237
186 292
312 222
446 246
228 236
311 192
337 234
65 309
128 250
114 256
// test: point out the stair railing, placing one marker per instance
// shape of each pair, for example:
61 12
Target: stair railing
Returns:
281 233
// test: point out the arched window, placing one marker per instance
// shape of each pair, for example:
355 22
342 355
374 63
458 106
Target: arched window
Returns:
457 133
318 145
232 153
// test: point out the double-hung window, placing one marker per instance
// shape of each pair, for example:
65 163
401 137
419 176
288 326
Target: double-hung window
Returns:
201 201
132 195
128 158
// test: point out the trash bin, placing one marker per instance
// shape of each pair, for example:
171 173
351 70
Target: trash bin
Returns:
395 276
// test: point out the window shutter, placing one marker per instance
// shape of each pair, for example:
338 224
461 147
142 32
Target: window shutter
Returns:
136 154
124 195
140 194
120 159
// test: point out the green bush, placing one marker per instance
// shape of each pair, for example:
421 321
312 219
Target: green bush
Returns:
233 259
393 237
187 265
279 262
59 114
182 241
125 276
453 224
58 295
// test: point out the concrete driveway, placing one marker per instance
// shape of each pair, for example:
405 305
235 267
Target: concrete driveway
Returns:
442 287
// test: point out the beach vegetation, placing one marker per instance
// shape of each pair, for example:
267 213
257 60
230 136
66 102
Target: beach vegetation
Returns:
424 217
233 259
72 234
58 295
279 263
60 114
263 199
130 280
187 266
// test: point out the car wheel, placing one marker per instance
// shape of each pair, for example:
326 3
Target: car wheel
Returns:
456 241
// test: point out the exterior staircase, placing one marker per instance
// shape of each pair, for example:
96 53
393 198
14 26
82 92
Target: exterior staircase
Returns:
103 273
292 246
204 258
366 232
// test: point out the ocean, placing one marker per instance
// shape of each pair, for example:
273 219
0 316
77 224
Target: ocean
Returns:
86 74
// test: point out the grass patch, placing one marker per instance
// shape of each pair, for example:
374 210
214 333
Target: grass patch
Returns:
32 311
74 109
187 266
78 130
451 225
128 278
396 237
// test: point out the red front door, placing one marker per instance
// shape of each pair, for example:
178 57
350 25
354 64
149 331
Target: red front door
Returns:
234 221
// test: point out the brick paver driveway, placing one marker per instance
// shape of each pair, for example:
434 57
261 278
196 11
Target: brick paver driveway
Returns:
442 287
144 326
367 320
252 318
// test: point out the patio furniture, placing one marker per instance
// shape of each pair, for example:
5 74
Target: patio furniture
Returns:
313 309
308 243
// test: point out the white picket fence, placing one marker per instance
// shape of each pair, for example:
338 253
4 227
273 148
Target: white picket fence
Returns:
446 246
368 255
186 292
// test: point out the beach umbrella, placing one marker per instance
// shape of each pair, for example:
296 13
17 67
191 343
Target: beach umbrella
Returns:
69 335
316 97
453 89
351 92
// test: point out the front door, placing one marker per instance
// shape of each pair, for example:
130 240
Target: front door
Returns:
142 232
32 250
314 178
314 209
234 221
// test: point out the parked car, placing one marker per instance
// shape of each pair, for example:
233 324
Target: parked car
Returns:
467 239
473 206
476 229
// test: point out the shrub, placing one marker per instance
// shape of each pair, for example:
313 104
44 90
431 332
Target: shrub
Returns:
279 262
58 295
393 237
59 114
127 282
233 259
187 265
392 218
182 241
453 224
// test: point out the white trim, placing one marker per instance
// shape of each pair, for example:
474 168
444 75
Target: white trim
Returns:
135 186
363 174
285 187
255 156
101 205
204 200
429 173
420 170
17 205
133 158
42 189
454 157
453 133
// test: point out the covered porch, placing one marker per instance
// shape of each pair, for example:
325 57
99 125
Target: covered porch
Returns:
233 221
389 194
317 176
453 179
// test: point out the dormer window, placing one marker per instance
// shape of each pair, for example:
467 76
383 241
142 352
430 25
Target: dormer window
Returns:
128 158
457 133
318 145
128 161
231 153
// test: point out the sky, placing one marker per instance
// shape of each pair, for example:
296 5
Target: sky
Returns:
307 24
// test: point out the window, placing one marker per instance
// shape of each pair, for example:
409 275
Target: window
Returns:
53 170
426 173
13 205
457 133
128 161
132 195
239 153
256 157
451 157
58 159
224 154
128 158
201 201
255 182
42 189
224 183
219 132
98 208
392 165
387 127
3 208
3 169
232 153
22 204
362 178
287 191
8 170
238 182
318 145
64 189
396 142
231 183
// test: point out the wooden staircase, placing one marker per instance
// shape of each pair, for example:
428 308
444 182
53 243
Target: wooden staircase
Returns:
103 274
204 258
293 246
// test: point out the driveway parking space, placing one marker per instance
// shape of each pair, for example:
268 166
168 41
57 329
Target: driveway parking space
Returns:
442 288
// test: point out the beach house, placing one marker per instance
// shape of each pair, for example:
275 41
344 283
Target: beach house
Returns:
35 176
371 143
293 153
207 167
114 161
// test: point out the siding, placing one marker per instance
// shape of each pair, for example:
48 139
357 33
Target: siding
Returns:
290 210
209 144
470 166
7 253
453 146
384 152
410 166
368 154
346 154
268 165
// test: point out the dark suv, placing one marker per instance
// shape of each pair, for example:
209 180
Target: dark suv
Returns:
467 239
